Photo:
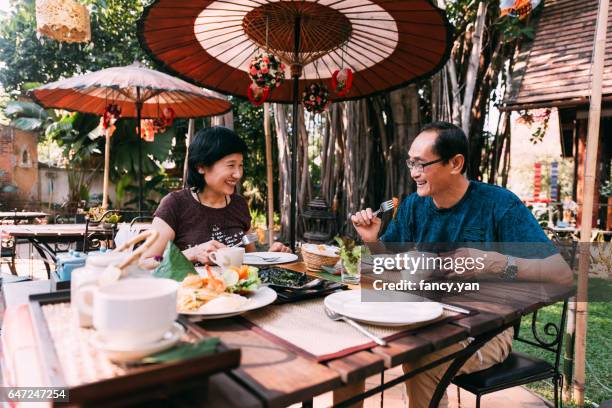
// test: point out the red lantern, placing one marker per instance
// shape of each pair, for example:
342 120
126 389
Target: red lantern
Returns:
342 81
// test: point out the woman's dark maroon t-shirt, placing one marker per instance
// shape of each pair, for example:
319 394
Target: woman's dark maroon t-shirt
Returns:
194 223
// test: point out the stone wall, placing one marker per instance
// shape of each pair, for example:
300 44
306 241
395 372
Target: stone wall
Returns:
19 164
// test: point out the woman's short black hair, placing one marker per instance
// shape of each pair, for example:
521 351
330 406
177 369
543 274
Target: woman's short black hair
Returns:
209 146
450 142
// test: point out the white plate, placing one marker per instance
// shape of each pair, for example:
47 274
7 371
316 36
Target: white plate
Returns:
268 258
348 303
260 298
125 355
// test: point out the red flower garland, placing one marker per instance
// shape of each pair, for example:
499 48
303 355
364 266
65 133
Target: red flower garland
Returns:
342 81
266 72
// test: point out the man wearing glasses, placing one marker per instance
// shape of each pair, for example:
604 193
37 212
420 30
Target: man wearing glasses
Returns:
449 208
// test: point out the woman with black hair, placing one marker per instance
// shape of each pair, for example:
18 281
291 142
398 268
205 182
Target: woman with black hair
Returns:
209 214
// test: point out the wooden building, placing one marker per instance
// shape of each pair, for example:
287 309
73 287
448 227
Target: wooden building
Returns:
554 70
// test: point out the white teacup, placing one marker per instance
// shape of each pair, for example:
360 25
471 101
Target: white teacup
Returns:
226 257
89 275
131 312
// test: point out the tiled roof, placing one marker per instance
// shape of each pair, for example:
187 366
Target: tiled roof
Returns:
555 68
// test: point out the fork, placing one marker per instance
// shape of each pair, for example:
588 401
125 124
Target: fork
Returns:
246 240
384 207
336 317
264 258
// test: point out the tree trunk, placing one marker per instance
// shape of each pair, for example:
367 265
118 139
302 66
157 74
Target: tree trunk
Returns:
282 140
472 71
190 133
226 120
269 173
405 113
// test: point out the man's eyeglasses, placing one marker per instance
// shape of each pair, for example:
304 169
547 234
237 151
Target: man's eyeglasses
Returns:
420 167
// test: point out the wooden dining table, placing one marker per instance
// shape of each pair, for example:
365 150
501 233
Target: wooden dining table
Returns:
21 216
272 375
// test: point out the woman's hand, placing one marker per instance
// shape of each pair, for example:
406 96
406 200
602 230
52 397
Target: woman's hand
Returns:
200 253
279 247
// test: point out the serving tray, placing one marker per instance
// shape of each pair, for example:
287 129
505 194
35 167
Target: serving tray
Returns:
118 384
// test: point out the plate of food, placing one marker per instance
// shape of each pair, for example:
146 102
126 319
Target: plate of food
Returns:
216 293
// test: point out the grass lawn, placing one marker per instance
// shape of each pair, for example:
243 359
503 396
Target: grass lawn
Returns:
599 344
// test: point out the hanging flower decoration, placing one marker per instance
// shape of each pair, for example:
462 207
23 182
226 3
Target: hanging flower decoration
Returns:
168 116
316 98
257 95
266 73
166 120
342 81
147 130
267 70
112 113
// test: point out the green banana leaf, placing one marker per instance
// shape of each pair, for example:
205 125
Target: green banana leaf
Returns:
174 265
184 351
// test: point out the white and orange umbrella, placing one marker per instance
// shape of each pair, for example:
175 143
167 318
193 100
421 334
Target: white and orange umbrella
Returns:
139 92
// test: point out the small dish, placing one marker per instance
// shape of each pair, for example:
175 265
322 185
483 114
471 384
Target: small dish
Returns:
124 355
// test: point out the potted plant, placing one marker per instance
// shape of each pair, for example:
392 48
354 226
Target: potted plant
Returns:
94 215
111 221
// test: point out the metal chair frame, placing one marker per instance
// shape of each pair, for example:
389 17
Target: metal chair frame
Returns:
551 330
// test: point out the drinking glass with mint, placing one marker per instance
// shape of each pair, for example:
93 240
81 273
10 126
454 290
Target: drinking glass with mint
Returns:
350 255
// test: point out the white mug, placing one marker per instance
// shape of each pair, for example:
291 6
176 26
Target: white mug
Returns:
131 312
226 257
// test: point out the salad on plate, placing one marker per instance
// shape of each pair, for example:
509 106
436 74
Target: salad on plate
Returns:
218 291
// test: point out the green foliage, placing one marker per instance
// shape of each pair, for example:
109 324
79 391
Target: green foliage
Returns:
124 150
606 188
597 347
153 189
258 218
515 29
114 43
350 253
28 116
248 124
